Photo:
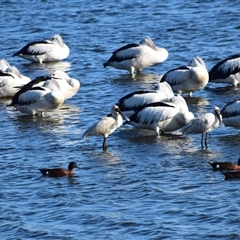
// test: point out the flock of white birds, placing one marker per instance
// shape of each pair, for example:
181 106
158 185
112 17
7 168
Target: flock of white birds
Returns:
162 110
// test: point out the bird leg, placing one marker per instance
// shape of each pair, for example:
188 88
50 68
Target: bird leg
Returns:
206 140
104 146
204 146
202 141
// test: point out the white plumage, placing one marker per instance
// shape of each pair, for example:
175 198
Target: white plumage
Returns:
130 103
107 125
204 124
135 57
188 79
226 71
33 99
68 86
162 116
10 79
45 50
4 64
231 114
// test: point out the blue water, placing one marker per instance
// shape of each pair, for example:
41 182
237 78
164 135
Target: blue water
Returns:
143 187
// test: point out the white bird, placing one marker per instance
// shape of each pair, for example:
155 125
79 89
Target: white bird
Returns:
45 50
133 56
10 79
188 79
130 103
226 71
68 86
204 124
162 116
107 125
33 99
231 114
4 64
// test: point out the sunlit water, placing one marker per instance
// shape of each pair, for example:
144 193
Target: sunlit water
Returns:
143 187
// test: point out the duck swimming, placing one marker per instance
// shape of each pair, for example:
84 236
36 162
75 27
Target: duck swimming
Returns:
59 172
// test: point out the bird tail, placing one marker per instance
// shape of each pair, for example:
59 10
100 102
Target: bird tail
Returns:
15 54
105 64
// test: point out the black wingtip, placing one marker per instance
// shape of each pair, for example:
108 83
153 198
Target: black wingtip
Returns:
15 54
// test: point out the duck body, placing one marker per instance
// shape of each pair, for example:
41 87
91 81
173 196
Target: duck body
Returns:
33 99
59 172
226 71
187 79
162 116
230 175
45 50
231 114
219 166
134 57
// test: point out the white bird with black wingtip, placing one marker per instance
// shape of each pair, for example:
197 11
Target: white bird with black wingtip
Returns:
188 79
131 102
226 71
134 57
45 50
231 114
11 80
69 86
34 99
162 117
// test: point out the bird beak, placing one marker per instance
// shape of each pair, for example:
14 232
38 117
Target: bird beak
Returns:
124 116
219 116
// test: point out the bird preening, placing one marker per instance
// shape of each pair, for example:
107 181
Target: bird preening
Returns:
48 50
135 57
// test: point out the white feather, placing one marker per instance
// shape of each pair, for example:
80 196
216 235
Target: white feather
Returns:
45 51
106 126
164 117
189 78
135 58
37 100
226 71
10 79
68 86
231 114
204 124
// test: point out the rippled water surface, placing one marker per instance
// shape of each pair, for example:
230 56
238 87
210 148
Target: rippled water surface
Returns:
143 187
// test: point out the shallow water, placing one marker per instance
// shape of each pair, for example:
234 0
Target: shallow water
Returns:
143 187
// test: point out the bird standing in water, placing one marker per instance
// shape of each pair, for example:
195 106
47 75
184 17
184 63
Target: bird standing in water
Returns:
133 56
45 50
107 125
204 124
